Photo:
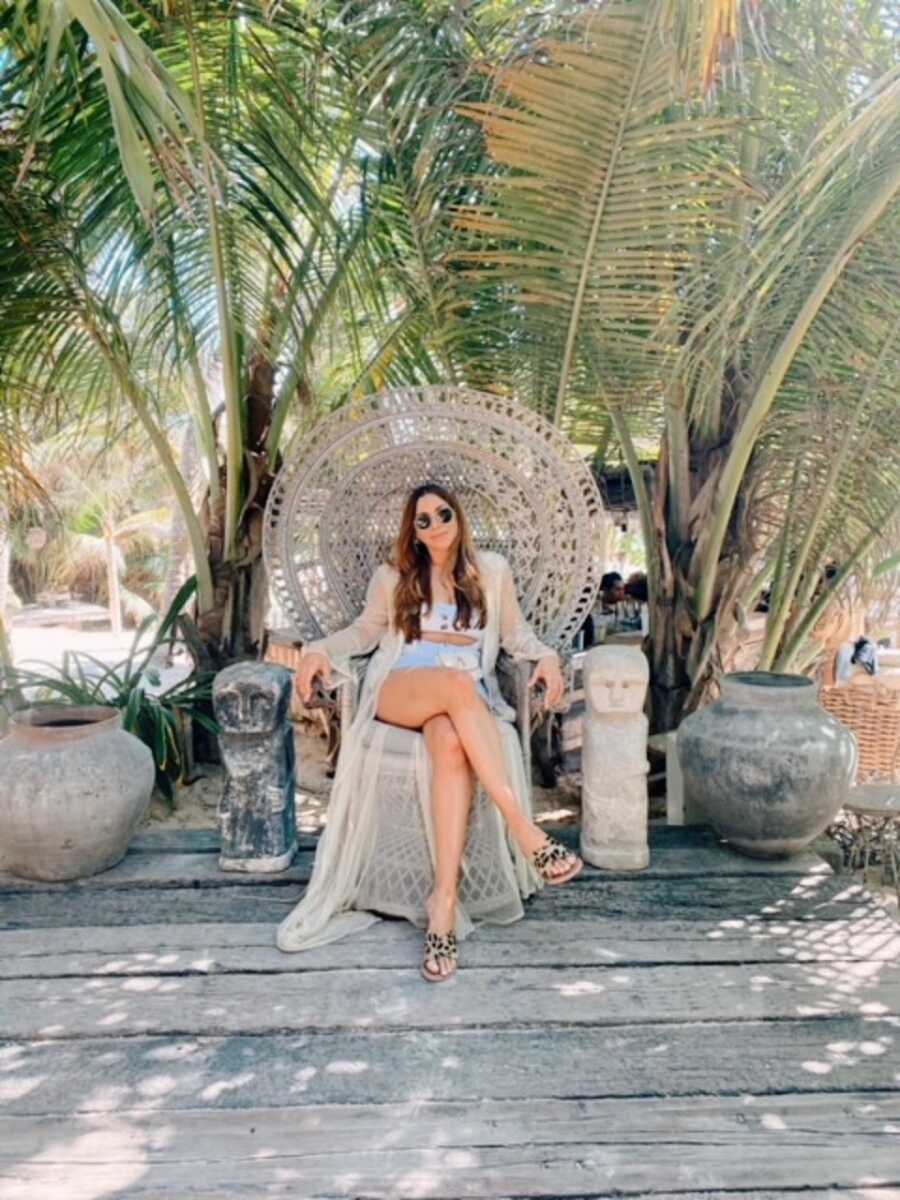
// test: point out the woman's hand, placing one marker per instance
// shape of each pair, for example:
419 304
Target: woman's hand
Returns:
547 672
311 665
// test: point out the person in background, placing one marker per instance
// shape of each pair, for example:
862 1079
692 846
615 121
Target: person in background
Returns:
637 594
636 587
612 591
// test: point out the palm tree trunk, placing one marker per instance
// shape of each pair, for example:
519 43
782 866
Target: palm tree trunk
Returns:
114 596
240 580
6 660
179 541
685 648
5 648
5 558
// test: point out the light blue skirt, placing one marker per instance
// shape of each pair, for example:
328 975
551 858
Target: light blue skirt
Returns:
425 653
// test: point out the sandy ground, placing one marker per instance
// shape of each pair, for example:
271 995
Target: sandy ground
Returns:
48 643
35 647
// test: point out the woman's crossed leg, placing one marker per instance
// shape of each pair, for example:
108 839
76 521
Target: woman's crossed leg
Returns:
452 789
415 696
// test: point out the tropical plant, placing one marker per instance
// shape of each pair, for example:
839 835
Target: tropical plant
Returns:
725 272
158 718
18 487
253 207
176 220
246 208
104 518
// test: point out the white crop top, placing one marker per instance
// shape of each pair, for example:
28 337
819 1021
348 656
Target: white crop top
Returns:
441 618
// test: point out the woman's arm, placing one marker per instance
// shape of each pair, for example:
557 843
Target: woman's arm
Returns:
520 641
363 634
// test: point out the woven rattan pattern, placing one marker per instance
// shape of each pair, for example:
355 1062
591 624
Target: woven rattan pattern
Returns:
335 508
873 715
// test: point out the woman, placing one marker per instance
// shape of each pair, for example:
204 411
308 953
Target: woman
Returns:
438 614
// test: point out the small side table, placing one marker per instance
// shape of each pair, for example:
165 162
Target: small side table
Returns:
873 818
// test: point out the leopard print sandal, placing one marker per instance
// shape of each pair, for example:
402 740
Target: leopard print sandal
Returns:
439 945
551 852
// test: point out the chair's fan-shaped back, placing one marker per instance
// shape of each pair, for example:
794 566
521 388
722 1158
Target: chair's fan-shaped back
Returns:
334 511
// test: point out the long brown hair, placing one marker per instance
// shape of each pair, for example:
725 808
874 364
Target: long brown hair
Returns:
413 562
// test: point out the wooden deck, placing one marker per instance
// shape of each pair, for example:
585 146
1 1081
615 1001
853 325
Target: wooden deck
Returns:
712 1026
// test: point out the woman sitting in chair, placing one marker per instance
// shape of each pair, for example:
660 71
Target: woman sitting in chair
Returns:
438 615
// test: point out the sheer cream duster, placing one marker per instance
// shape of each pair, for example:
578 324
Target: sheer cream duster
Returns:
333 905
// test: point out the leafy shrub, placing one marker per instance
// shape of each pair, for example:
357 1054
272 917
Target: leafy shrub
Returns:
158 719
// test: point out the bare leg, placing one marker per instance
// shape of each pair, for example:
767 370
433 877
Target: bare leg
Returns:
412 697
451 801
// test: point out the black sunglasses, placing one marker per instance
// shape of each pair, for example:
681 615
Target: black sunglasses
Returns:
446 515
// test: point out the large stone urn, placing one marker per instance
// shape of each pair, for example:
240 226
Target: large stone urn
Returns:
766 766
73 789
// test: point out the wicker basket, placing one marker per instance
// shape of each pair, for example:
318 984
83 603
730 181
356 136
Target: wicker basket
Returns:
872 714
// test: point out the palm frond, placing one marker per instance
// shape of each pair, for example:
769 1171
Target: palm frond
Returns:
612 191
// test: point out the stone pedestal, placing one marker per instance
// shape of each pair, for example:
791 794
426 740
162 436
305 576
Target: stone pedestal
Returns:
614 759
256 813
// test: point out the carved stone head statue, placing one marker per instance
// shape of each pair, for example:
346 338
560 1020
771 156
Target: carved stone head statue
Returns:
251 698
615 680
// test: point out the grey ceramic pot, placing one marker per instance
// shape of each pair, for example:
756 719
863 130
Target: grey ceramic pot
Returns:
73 789
765 764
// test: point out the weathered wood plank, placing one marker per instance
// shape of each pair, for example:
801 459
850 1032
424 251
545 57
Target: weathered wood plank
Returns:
154 839
177 868
168 870
812 897
276 1189
645 1034
143 870
380 1066
560 1148
388 998
866 1192
535 941
140 906
151 840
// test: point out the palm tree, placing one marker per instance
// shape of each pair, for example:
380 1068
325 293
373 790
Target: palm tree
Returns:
724 274
241 206
18 486
266 196
97 502
111 535
179 205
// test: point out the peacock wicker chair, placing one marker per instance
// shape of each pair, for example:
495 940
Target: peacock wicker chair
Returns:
332 515
334 510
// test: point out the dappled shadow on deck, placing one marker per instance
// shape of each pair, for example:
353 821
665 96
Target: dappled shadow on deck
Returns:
673 1031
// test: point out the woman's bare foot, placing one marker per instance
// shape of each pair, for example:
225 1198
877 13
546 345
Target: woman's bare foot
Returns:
440 907
531 837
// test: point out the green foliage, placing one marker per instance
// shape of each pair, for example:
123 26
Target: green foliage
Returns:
157 719
569 203
720 272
